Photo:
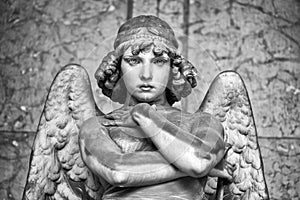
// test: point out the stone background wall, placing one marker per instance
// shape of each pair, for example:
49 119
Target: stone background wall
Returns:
260 39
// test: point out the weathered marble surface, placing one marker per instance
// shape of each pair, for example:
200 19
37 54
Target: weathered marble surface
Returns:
258 38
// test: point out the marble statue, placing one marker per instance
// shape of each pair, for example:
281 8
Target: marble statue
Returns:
147 149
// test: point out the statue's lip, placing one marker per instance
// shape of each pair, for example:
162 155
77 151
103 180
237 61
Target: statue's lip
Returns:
146 87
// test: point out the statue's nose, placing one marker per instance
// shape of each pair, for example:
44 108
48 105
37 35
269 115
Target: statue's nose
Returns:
146 72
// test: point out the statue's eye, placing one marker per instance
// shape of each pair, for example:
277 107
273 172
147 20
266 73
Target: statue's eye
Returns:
132 61
161 61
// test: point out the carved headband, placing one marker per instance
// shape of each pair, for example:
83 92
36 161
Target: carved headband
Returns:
146 27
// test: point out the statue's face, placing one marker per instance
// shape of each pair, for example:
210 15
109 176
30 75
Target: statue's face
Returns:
145 75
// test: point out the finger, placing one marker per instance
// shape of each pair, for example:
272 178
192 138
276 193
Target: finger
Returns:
231 166
107 123
110 123
219 173
154 107
111 116
116 123
142 121
137 117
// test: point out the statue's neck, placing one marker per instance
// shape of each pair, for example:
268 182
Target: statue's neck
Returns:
160 101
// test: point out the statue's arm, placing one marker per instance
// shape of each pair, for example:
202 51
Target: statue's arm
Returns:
195 152
105 159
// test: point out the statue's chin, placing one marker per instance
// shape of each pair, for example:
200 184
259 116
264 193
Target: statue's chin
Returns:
147 98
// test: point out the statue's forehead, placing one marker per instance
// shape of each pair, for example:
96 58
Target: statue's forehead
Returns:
148 49
143 45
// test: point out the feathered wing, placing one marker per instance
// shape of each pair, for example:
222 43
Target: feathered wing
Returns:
227 99
56 169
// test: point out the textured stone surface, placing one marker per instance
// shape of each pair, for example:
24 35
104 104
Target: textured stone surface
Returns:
258 38
39 37
15 149
282 167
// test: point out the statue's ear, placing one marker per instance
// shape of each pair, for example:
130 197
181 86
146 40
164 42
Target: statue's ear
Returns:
178 82
188 71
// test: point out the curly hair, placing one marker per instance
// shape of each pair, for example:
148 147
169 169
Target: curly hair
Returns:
109 75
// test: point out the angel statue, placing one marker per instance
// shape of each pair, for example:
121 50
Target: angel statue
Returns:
146 149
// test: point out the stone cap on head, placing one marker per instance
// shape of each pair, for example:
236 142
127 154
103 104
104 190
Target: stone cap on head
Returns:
146 27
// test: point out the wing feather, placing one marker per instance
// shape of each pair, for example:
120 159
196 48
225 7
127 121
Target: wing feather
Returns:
228 100
56 163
